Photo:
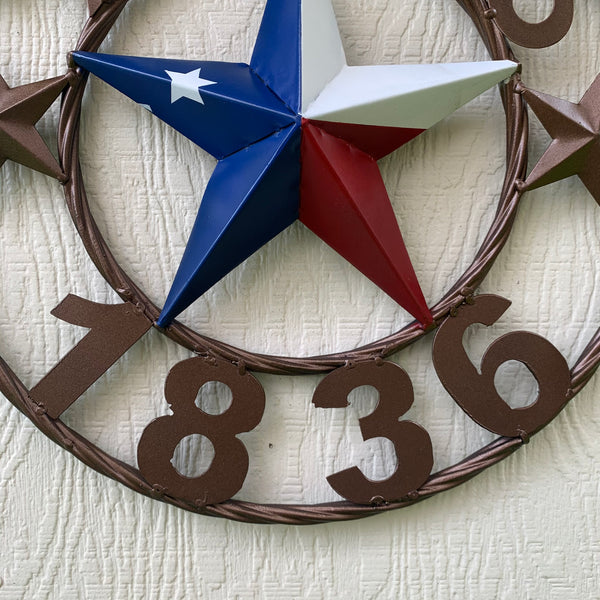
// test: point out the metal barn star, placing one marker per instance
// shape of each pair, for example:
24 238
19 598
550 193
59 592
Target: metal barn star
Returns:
20 109
297 134
575 147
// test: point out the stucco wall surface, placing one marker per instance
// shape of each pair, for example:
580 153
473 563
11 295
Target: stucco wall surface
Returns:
527 528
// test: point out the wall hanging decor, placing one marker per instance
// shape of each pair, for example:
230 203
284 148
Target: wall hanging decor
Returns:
297 135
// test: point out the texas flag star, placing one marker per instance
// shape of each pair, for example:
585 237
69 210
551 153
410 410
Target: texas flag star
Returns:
297 134
187 85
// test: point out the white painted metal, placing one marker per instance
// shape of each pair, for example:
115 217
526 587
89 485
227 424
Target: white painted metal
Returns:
416 96
187 85
322 50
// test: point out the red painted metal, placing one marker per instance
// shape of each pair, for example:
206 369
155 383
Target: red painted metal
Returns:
375 140
344 201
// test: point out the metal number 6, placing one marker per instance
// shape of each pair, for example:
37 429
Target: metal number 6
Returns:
476 392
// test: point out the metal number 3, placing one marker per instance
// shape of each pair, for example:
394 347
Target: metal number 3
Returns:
412 443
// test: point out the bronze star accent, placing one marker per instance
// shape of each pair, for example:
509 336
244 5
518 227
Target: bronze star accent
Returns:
575 147
20 109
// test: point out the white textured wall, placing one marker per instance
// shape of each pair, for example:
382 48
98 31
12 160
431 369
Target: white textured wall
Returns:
528 528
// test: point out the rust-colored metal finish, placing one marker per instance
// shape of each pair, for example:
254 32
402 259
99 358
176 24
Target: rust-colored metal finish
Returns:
113 330
412 443
229 467
532 35
20 109
93 34
94 5
575 131
476 392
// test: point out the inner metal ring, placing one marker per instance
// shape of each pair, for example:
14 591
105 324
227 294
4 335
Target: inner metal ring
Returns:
94 33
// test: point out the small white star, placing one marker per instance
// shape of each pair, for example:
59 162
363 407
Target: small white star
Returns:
187 85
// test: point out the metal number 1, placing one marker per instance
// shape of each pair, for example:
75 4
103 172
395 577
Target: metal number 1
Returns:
113 330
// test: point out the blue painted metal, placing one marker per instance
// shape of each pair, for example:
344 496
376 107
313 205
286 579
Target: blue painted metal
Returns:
252 196
238 110
277 56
